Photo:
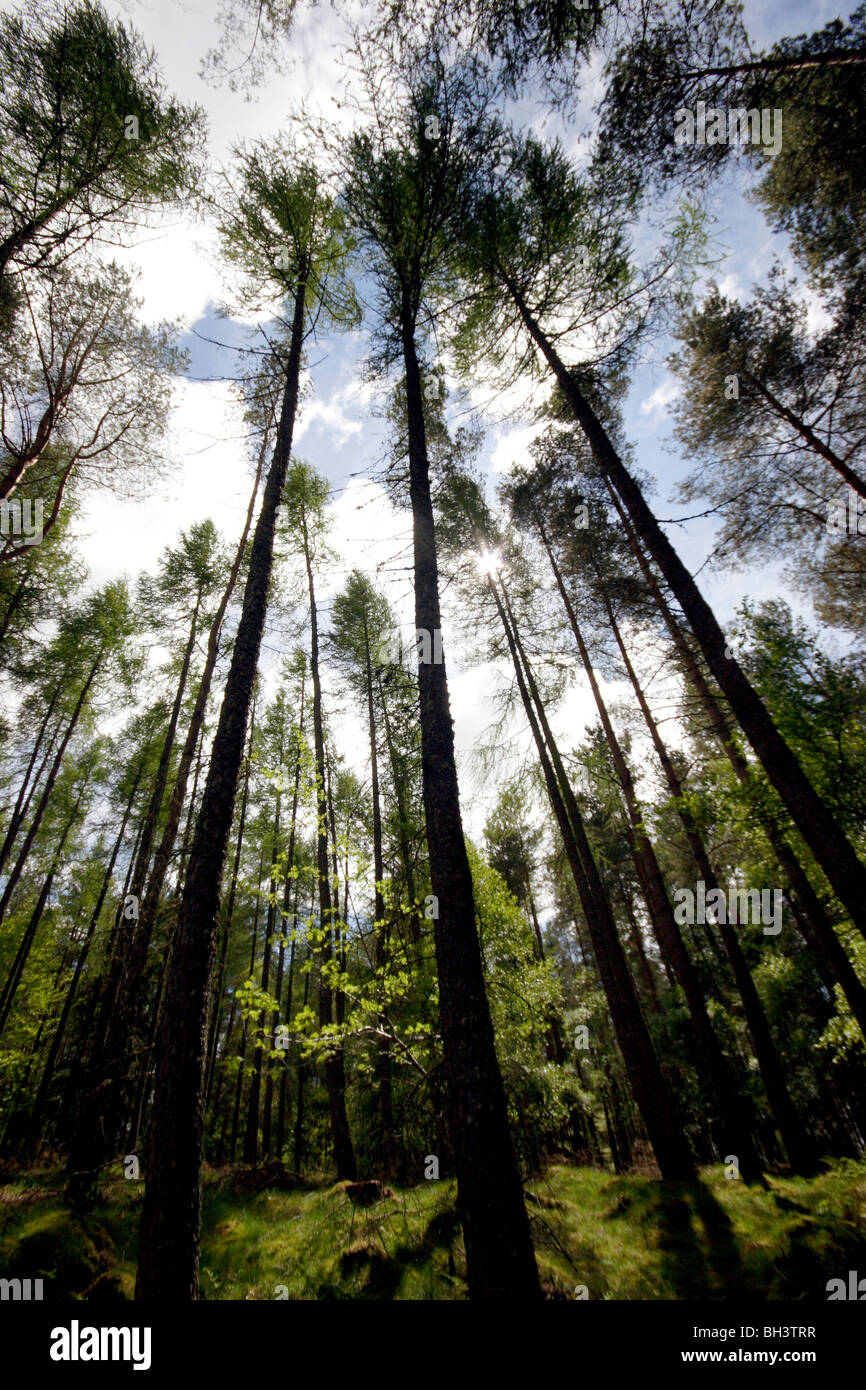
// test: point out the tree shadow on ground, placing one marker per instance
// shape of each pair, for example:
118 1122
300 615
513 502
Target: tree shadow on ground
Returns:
700 1258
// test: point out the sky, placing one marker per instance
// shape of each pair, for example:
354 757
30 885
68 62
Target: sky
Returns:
180 280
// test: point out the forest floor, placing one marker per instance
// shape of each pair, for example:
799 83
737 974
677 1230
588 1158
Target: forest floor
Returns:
620 1237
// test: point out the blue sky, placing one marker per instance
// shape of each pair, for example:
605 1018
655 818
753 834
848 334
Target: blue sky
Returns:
180 279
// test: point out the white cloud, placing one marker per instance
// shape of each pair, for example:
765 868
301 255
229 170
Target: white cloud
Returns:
512 447
656 405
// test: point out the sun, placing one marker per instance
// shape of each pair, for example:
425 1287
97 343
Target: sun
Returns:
489 562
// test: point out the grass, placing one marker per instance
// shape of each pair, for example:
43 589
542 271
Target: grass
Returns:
619 1237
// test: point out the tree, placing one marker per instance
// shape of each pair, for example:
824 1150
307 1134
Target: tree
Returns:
306 497
508 246
283 208
402 190
361 626
84 392
91 142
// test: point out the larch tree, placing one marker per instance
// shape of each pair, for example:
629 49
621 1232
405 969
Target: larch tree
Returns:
281 229
403 190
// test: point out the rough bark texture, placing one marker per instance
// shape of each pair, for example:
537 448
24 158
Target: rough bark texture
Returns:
168 1262
818 927
334 1066
649 1088
499 1254
736 1131
833 851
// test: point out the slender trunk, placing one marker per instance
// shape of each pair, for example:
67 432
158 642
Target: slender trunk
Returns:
102 1112
637 942
808 435
303 1070
824 936
648 1084
12 606
334 1066
245 1030
402 814
168 1261
13 979
162 858
380 926
499 1253
794 1134
251 1143
81 961
22 800
230 910
734 1119
845 871
287 894
27 844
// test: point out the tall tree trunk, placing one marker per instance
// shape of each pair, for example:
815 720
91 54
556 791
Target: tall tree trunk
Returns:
833 851
239 1085
380 926
648 1085
823 935
25 791
251 1143
16 970
226 933
81 961
168 1261
402 813
102 1113
735 1125
791 1128
334 1066
165 850
27 843
499 1253
287 895
303 1070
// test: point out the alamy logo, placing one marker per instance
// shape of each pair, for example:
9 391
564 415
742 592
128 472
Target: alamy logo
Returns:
390 651
744 906
855 1292
22 519
21 1290
848 516
739 127
102 1344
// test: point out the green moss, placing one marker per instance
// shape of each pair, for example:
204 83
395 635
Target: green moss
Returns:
621 1237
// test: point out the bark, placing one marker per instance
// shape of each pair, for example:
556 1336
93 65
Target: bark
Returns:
81 961
832 850
230 911
402 814
25 791
823 935
251 1142
736 1129
27 844
334 1065
793 1132
168 1262
808 435
102 1114
380 926
499 1254
16 970
648 1085
287 894
303 1071
162 858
